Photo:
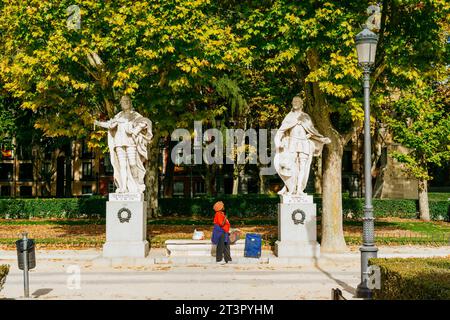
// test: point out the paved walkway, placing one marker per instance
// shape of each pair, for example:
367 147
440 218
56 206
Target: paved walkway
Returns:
55 277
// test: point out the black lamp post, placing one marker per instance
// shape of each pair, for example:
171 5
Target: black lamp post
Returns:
366 46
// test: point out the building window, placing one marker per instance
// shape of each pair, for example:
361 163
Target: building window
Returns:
107 165
252 186
5 191
178 188
26 191
47 154
111 187
86 152
199 187
26 172
6 171
347 165
46 168
86 190
24 152
87 170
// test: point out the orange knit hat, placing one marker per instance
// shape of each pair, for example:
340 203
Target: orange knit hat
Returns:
218 206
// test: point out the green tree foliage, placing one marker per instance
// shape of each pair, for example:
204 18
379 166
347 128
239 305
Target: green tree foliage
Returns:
164 53
420 121
7 120
411 81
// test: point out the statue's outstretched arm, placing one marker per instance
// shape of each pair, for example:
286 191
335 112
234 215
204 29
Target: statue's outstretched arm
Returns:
105 124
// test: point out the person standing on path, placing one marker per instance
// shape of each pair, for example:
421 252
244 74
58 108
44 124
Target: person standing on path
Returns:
221 233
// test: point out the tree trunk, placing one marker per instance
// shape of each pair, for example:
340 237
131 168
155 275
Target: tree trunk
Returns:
207 179
332 217
235 179
243 180
210 179
109 107
424 209
152 177
220 187
68 173
317 168
262 183
332 220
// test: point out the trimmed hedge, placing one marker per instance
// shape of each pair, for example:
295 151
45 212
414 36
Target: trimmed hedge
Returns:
4 269
401 208
17 208
413 278
265 205
241 206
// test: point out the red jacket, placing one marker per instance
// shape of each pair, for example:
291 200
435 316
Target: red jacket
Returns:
221 220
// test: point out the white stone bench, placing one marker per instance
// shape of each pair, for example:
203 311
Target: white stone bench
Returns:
200 248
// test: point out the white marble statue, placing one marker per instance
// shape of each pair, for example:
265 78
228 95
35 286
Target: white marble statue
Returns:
128 136
296 142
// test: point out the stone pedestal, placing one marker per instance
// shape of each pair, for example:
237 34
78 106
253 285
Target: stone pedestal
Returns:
297 233
126 226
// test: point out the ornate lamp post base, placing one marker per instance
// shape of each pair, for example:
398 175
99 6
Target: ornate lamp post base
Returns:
367 252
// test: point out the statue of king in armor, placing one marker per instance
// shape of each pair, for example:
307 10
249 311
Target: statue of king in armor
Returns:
296 142
128 136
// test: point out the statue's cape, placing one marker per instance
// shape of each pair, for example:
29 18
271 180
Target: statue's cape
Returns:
141 142
291 120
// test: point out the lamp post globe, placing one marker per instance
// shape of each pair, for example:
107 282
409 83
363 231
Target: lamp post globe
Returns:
366 46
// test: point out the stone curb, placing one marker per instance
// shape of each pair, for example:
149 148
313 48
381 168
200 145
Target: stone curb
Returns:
159 258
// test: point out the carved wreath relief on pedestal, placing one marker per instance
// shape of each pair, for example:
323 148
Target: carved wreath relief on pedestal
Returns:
124 217
295 216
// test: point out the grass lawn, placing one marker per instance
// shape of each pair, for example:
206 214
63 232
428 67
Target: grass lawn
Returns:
84 233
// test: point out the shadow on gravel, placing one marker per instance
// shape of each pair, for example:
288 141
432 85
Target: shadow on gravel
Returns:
344 285
41 292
